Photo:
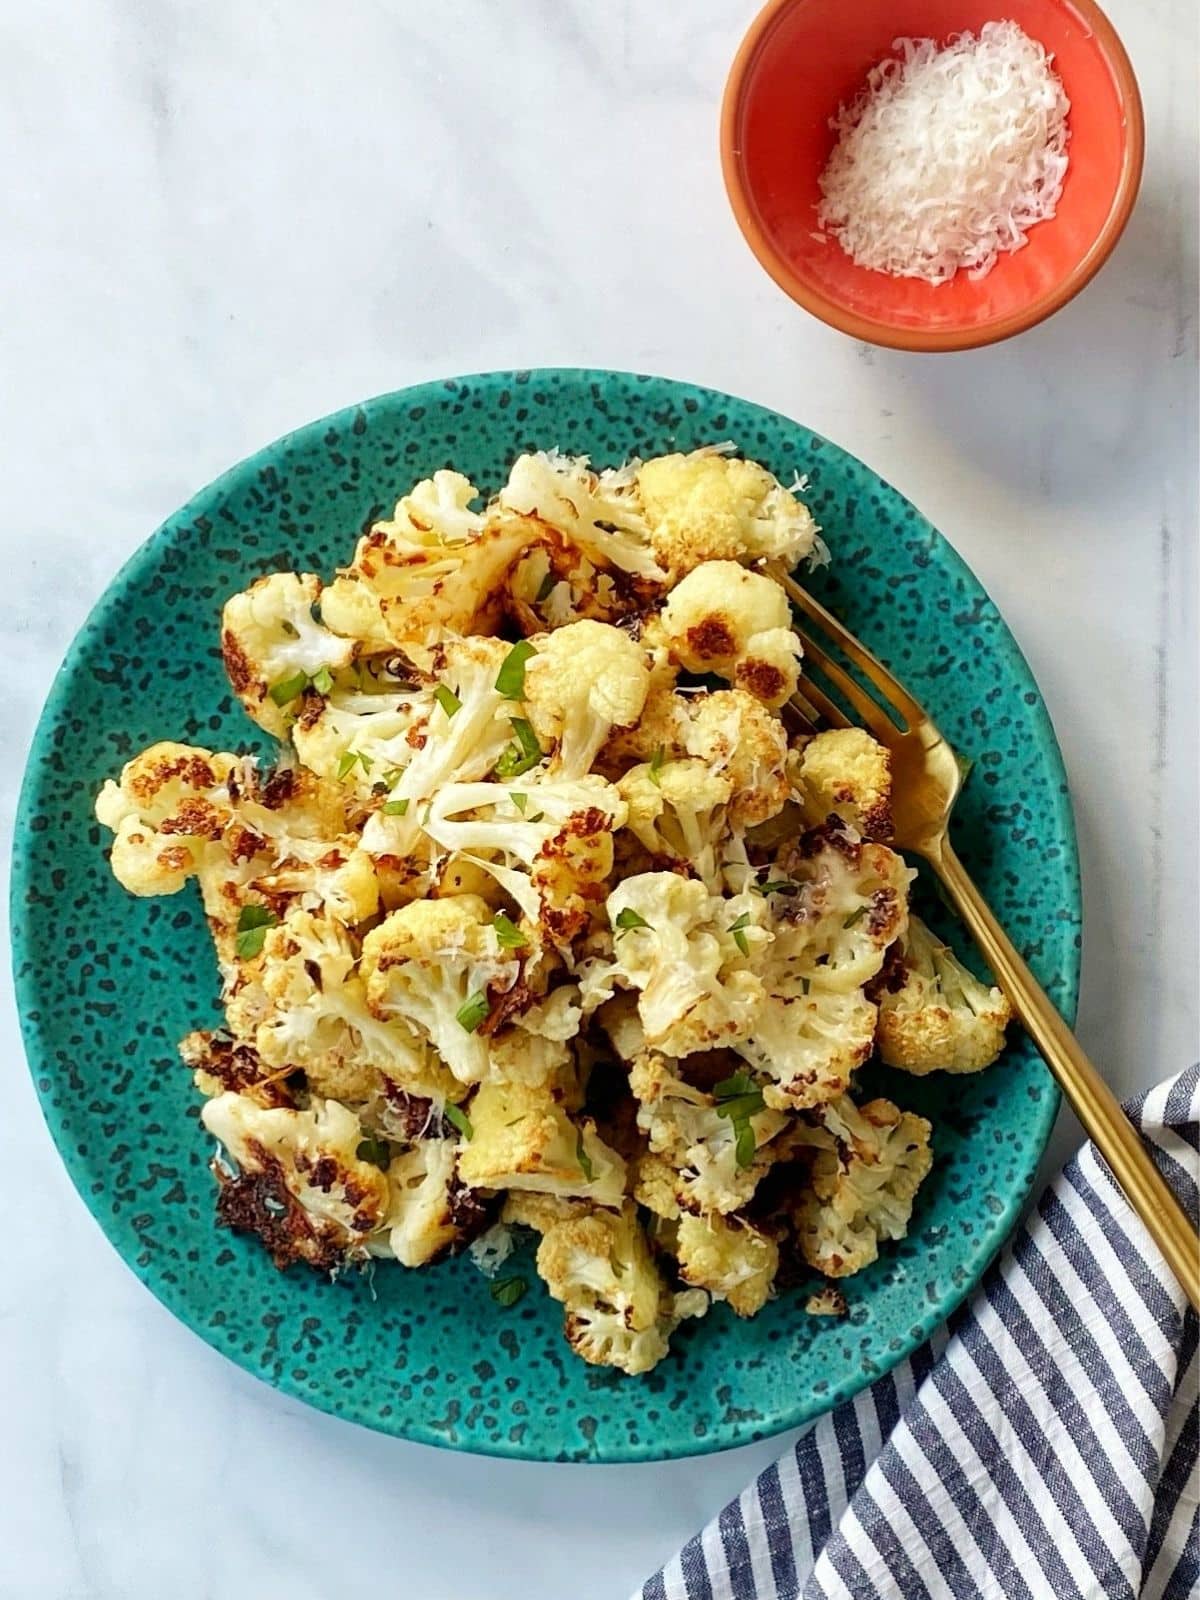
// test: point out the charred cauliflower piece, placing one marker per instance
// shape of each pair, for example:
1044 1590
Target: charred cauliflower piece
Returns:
942 1019
736 624
677 812
547 844
806 1047
584 680
711 506
168 809
729 1258
300 1184
837 904
432 568
592 513
618 1311
523 1138
843 772
867 1166
431 1213
715 1147
672 946
316 1015
438 966
273 646
741 741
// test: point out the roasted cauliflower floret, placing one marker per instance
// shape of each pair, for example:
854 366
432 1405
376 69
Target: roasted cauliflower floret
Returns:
592 512
806 1048
677 811
618 1311
219 1062
523 1138
466 733
866 1170
718 1145
272 645
313 1014
730 1258
526 1208
711 506
300 1185
942 1018
837 903
744 743
548 844
431 1213
438 965
169 807
362 737
671 945
585 679
844 772
736 624
432 568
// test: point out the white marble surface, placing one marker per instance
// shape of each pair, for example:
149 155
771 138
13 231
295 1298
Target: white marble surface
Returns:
221 220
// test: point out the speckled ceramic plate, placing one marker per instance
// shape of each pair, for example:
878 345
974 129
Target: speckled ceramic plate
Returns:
107 984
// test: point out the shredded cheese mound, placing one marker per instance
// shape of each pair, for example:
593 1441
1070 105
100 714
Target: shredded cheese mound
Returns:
947 157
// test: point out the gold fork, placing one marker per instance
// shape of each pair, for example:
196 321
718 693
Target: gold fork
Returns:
925 783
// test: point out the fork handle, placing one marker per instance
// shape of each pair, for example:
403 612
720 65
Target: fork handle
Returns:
1094 1103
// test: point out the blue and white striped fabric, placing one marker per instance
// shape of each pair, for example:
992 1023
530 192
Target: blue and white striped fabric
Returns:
1042 1447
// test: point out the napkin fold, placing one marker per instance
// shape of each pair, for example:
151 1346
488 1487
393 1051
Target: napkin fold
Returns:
1042 1446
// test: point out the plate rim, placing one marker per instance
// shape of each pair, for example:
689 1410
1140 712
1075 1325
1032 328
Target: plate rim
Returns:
173 1299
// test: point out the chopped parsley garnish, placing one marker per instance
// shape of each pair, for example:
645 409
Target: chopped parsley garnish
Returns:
392 776
507 1291
629 918
855 916
510 680
805 985
523 755
584 1160
288 689
775 886
352 758
655 772
737 930
473 1011
538 816
546 588
507 932
458 1118
376 1151
740 1099
252 925
447 699
746 1144
519 800
395 808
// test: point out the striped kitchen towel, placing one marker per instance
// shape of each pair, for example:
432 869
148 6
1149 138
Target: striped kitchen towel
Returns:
1042 1447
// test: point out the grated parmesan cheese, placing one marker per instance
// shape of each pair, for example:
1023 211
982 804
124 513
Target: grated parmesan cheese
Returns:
947 157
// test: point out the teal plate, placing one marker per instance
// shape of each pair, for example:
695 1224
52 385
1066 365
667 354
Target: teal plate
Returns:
107 984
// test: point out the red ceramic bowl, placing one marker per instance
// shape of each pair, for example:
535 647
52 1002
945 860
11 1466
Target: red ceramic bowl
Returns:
802 58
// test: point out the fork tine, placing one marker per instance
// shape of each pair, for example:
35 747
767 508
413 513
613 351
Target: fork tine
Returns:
885 681
796 717
871 713
819 701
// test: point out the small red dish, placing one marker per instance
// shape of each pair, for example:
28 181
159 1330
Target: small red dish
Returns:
802 58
